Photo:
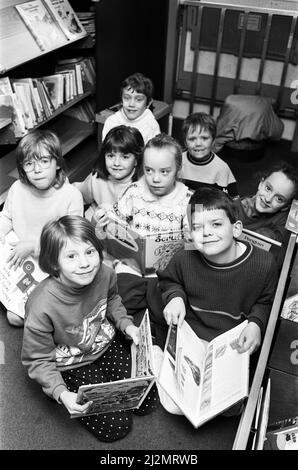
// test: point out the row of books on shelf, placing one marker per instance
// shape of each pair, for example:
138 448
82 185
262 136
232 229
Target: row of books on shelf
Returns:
51 22
30 101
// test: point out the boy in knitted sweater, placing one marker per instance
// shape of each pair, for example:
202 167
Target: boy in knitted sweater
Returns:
217 284
220 282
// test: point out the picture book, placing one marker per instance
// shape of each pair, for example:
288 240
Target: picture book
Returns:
128 393
204 379
41 25
16 284
146 253
66 18
55 87
290 308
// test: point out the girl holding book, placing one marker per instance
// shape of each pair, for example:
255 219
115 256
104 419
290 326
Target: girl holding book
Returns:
75 325
118 165
42 193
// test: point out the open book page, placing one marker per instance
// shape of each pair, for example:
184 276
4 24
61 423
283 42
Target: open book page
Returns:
226 373
126 393
17 284
290 308
204 378
182 368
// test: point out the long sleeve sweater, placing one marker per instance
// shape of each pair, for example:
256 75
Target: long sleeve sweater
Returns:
146 124
212 172
66 327
219 297
27 209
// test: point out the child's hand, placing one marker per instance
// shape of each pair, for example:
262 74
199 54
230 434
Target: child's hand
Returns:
19 253
175 311
250 338
69 401
133 332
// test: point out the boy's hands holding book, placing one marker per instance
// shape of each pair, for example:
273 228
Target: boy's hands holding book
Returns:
133 332
250 338
174 311
69 401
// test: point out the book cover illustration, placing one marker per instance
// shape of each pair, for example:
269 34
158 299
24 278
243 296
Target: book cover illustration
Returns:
67 19
6 120
204 379
41 24
17 284
126 393
290 308
146 253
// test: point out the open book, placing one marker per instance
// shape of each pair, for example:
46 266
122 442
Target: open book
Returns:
16 285
147 253
124 394
204 379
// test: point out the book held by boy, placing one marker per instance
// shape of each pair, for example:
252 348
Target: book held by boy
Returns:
204 379
128 393
41 24
147 253
17 284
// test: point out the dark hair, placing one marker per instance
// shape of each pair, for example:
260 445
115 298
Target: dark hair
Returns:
54 236
122 139
211 198
139 83
164 140
202 120
30 147
289 171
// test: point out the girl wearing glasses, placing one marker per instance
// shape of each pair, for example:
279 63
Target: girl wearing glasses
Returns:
41 194
118 165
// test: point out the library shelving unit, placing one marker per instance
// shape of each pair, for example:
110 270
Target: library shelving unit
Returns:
20 57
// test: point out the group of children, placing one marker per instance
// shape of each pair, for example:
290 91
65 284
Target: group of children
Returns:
77 327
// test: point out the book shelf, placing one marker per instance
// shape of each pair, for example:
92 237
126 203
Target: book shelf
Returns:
20 57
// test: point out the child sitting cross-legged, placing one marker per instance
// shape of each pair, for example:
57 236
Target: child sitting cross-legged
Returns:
75 325
217 284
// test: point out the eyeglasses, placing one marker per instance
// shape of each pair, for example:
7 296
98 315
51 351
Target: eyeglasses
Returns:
43 163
